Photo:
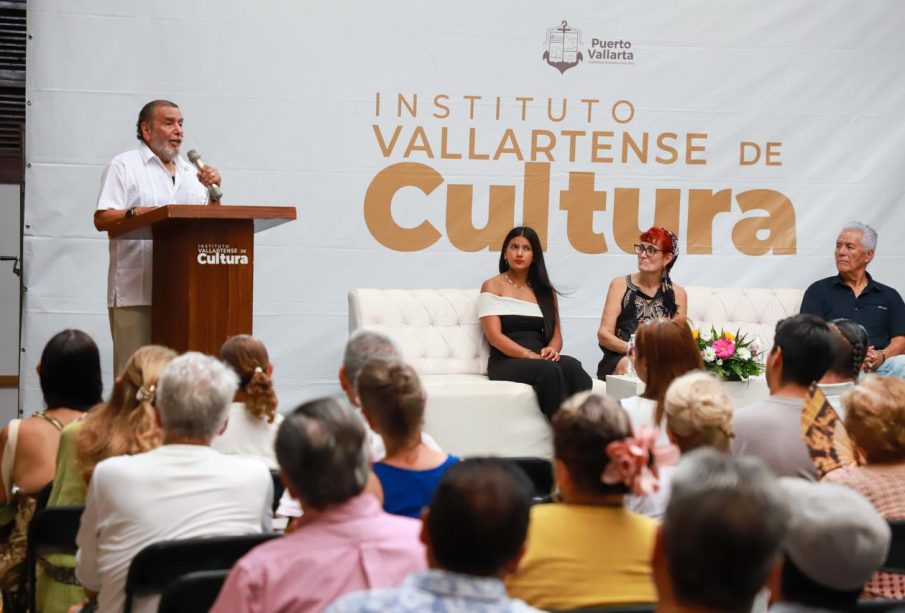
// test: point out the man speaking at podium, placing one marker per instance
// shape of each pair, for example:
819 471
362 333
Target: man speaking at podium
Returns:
134 182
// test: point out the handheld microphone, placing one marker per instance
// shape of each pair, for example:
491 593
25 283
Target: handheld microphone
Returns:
195 158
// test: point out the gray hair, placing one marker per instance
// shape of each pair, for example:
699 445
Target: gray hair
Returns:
868 234
193 395
723 529
365 345
321 448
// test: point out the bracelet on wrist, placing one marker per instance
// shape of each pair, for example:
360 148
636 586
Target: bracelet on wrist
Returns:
527 353
883 353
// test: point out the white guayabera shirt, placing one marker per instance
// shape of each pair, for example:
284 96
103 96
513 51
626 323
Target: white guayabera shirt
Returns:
139 178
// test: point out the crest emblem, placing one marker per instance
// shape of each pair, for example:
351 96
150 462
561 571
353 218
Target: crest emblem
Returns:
563 47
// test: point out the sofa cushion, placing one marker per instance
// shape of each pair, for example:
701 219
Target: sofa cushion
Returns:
754 311
437 330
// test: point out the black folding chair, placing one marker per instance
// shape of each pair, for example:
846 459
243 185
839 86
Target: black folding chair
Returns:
895 560
540 471
193 593
277 489
52 530
156 566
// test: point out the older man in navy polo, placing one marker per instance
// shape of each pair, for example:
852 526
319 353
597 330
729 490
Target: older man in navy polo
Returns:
853 294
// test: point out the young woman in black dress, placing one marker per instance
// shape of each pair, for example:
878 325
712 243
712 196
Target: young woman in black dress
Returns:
520 317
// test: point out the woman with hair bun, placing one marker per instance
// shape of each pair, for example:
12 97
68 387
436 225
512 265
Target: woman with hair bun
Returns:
640 297
520 318
698 414
393 401
253 418
589 550
875 421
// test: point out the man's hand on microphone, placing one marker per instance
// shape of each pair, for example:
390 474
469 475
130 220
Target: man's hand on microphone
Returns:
209 176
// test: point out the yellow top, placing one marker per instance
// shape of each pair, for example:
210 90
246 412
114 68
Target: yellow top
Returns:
581 556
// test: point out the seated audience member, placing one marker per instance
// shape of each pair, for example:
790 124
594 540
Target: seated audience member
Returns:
70 377
875 420
393 403
182 489
253 417
771 429
124 425
588 550
835 542
664 350
474 531
344 541
851 341
698 414
720 538
363 346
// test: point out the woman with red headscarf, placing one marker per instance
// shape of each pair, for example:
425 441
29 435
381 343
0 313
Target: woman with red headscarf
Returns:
638 298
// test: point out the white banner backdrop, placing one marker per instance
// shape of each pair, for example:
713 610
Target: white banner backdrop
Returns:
411 136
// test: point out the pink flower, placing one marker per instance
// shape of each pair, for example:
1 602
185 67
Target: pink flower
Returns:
724 348
629 462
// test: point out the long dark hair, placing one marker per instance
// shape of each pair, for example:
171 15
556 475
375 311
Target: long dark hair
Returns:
850 353
537 276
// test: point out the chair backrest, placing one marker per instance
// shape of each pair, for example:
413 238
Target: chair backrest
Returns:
540 471
438 330
895 559
156 566
52 530
277 489
193 592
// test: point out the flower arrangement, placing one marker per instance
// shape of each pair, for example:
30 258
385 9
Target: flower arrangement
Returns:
729 356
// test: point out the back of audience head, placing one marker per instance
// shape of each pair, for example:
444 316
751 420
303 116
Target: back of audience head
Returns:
127 424
582 429
70 371
392 398
698 412
478 518
364 345
664 349
850 341
248 357
875 418
835 542
193 396
721 535
806 345
322 453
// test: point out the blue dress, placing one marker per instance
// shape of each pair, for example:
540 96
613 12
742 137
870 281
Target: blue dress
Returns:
406 492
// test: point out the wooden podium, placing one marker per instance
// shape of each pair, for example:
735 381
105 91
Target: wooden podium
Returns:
203 269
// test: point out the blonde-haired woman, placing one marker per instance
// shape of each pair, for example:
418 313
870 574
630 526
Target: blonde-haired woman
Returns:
125 425
875 420
253 418
698 414
393 401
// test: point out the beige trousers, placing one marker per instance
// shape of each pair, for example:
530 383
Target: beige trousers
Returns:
131 329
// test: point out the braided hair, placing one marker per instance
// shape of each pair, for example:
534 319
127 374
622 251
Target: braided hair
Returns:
851 346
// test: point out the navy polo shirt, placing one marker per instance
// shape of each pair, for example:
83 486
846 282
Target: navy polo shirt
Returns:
879 308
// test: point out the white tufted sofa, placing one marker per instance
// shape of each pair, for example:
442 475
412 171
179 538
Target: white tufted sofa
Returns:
440 336
755 312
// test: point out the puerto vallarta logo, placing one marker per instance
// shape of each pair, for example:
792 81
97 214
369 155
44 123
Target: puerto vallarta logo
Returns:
563 47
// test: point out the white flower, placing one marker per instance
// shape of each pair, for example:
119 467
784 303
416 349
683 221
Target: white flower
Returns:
719 362
706 335
709 354
743 353
756 346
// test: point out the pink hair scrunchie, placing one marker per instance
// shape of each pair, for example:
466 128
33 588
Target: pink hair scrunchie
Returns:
629 460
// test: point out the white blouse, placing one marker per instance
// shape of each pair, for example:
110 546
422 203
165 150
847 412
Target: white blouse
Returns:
491 304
